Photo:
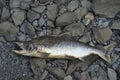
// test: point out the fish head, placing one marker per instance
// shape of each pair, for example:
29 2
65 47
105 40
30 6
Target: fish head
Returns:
25 49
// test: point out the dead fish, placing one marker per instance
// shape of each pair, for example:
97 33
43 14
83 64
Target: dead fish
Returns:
57 47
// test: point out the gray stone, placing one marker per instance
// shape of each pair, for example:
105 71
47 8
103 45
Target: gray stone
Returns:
115 25
112 74
77 75
73 5
35 23
31 16
27 78
41 21
50 24
30 30
43 76
2 3
105 8
102 35
14 3
52 11
43 1
57 72
75 29
5 14
39 9
66 19
37 65
68 77
85 76
18 16
22 37
62 9
86 37
7 28
81 11
11 37
57 31
25 4
23 27
87 4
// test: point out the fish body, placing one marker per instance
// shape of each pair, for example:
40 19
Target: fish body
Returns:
57 47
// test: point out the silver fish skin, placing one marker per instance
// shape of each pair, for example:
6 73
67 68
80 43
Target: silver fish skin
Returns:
57 47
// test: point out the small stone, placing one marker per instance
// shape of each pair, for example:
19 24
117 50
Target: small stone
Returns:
57 31
115 25
62 9
68 77
52 11
61 2
39 9
22 37
37 65
105 8
86 37
77 75
85 76
89 18
115 57
18 16
7 28
31 16
11 37
5 14
57 72
81 12
43 1
112 74
44 74
2 3
72 67
25 4
75 29
41 22
102 35
87 4
14 3
73 5
35 23
23 27
30 30
66 19
50 24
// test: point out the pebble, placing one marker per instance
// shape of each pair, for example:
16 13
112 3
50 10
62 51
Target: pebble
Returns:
75 29
86 37
73 5
102 35
7 28
85 76
115 25
105 8
31 16
14 3
41 22
87 4
112 74
52 11
57 72
68 77
77 75
57 31
50 24
18 16
2 3
11 37
22 37
66 19
39 9
5 14
25 4
44 74
81 12
35 23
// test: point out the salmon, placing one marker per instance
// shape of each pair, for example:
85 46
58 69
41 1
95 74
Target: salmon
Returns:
58 47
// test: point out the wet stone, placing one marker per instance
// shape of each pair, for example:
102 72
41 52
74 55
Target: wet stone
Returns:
75 29
18 16
73 5
31 16
66 19
5 14
52 11
102 35
112 74
39 9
